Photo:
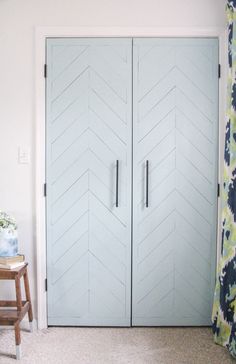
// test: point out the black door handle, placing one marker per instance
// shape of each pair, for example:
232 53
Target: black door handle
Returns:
147 167
117 183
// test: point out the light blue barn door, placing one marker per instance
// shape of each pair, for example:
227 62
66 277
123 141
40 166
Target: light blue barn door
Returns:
175 129
88 130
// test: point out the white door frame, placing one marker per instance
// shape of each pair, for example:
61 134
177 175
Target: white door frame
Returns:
41 34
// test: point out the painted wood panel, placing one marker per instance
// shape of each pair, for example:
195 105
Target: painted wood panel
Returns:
175 101
89 120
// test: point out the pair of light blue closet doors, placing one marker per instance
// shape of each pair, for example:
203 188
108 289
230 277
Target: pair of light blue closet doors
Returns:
131 168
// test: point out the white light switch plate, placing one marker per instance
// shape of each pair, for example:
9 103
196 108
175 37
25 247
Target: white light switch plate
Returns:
23 155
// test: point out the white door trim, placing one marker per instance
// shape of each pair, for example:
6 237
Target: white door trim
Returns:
41 33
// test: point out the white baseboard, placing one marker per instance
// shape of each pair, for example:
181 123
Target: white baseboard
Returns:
24 325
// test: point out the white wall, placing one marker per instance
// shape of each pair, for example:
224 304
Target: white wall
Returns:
18 19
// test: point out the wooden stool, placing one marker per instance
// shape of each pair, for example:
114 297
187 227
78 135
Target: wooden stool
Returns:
15 316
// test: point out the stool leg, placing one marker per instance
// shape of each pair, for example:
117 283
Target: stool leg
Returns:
27 294
18 340
17 323
18 294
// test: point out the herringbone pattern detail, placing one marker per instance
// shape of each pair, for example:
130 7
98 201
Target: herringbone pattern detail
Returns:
175 125
89 121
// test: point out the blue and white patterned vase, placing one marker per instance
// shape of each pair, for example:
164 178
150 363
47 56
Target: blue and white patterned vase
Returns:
8 243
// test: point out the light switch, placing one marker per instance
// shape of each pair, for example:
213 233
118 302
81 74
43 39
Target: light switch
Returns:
23 155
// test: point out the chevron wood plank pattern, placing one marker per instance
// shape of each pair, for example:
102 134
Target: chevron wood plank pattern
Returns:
175 128
88 129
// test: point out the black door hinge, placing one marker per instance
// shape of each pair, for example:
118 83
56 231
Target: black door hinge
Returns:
219 71
46 285
45 71
218 190
45 189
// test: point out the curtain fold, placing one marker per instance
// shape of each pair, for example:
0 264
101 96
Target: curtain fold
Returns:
224 308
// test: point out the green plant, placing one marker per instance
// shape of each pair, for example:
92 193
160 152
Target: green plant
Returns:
7 222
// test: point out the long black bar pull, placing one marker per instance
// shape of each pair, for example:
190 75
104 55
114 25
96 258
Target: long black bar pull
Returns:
147 167
117 183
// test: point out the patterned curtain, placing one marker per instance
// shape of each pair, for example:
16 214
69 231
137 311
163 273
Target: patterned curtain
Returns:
224 309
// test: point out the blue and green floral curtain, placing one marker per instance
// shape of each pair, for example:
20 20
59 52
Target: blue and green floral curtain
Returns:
224 309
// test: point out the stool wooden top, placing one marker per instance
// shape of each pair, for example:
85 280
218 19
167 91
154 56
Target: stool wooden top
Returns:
12 273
